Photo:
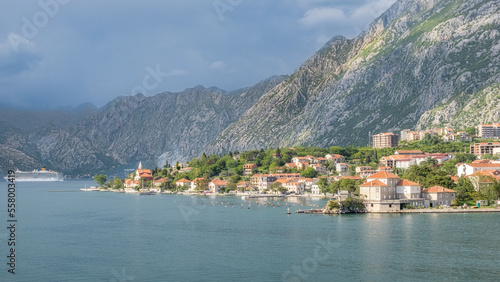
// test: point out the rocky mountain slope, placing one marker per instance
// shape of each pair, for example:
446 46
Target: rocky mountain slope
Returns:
421 64
167 126
418 55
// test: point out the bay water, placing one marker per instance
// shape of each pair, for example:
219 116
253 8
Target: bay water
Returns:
63 234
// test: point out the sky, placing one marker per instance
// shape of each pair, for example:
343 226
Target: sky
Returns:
56 53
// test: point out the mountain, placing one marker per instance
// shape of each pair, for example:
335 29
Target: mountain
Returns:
129 129
420 62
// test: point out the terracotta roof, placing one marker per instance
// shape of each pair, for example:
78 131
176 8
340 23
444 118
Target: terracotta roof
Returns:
184 180
219 182
484 165
406 182
375 182
481 161
416 152
382 174
438 189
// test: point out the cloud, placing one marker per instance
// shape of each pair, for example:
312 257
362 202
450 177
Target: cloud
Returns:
218 65
177 72
17 54
322 16
347 16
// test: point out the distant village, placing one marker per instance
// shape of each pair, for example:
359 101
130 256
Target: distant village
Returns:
380 188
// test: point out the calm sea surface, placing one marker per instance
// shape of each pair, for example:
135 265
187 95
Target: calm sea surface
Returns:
97 236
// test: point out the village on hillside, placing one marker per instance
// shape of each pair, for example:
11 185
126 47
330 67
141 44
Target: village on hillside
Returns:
386 177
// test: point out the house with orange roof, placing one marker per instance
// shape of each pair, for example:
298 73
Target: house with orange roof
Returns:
385 191
294 186
216 185
321 169
408 152
438 196
483 178
248 168
469 169
341 167
184 183
159 182
335 158
130 183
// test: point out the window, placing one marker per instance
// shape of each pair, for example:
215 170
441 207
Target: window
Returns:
378 197
390 205
400 196
377 190
372 205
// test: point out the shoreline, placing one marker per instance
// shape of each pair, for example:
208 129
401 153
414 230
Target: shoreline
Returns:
476 210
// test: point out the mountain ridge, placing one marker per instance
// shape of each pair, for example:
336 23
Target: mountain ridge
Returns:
420 64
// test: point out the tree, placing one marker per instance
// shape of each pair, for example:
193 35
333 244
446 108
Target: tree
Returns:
333 205
202 183
276 186
117 183
464 189
324 186
309 172
346 184
100 179
353 204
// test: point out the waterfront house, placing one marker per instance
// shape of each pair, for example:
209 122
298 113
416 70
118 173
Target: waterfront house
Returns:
216 185
130 183
184 183
385 191
483 178
438 196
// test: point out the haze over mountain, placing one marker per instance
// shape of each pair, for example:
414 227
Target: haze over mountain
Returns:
420 64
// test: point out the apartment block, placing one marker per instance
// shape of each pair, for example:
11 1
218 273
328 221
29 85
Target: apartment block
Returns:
385 140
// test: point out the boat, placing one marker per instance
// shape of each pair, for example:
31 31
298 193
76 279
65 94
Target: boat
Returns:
147 193
92 188
37 175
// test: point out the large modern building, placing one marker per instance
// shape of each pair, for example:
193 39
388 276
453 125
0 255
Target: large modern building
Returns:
488 131
385 140
480 149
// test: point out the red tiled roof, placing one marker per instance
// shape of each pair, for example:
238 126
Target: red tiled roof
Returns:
406 182
375 182
184 180
484 165
438 189
382 174
219 182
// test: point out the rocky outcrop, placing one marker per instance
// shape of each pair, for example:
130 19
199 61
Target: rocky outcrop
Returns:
416 56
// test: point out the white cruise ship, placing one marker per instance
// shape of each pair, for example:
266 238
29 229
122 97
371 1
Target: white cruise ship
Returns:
37 175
